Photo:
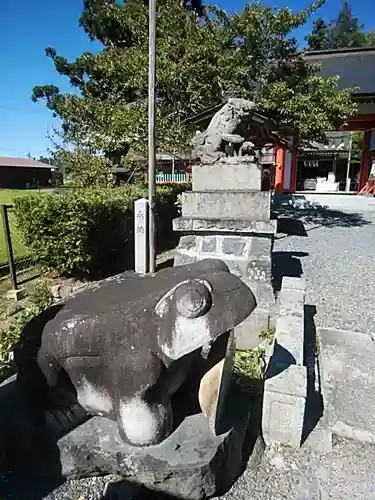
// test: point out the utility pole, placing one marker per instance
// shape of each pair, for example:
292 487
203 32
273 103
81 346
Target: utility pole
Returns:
151 133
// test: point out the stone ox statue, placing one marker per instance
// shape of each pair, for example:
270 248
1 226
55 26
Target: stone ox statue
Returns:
124 347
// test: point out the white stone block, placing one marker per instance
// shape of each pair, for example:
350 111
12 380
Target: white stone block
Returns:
254 205
233 176
141 208
291 283
290 336
284 404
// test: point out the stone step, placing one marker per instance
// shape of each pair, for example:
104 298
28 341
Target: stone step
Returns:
348 360
255 205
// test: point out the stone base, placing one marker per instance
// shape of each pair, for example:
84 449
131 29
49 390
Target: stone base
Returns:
224 224
286 385
254 204
247 256
235 174
284 405
191 464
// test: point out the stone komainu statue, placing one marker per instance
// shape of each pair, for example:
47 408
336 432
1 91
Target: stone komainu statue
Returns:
235 128
123 347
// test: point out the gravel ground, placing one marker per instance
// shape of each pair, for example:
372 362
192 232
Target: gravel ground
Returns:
32 487
333 249
336 254
347 473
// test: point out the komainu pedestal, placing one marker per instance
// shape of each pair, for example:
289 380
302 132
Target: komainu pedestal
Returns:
227 216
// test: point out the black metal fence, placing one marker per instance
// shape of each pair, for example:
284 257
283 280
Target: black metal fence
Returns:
16 263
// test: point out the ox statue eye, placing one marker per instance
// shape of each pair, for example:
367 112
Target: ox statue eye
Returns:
193 299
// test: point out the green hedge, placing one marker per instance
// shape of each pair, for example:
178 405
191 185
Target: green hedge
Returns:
86 231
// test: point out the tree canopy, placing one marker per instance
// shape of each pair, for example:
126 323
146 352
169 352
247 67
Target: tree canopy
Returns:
319 37
203 57
347 31
52 159
344 32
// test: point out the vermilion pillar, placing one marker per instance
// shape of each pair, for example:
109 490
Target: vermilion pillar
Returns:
286 170
365 160
280 169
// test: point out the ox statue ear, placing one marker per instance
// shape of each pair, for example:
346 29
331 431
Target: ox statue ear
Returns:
184 323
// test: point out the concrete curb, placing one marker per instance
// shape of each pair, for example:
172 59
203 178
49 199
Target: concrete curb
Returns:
347 383
285 388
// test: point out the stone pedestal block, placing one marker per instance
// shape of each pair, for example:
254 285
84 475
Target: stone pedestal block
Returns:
233 204
224 224
284 406
227 217
236 175
248 257
347 370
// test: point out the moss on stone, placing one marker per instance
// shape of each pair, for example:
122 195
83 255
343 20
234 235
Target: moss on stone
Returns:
268 335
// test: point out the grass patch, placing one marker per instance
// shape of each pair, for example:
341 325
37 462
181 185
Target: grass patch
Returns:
268 335
248 369
248 363
15 316
8 195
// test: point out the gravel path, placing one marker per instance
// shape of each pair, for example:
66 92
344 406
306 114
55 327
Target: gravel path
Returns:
334 249
347 473
336 253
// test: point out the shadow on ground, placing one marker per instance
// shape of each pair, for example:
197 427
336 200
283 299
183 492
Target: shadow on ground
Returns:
164 264
295 212
281 360
314 401
253 446
288 226
286 264
30 484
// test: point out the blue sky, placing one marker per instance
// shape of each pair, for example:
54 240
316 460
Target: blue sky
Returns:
28 27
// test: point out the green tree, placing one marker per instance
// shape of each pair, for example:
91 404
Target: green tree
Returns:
371 38
319 37
87 168
52 159
346 31
358 140
201 60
